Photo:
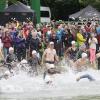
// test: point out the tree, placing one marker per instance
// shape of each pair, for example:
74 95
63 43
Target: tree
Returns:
62 8
94 3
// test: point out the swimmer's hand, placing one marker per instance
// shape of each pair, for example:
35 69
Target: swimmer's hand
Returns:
77 79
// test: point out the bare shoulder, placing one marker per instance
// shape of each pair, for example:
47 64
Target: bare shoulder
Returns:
54 50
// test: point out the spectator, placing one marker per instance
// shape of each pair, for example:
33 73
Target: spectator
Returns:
20 47
59 35
92 48
7 41
34 42
80 39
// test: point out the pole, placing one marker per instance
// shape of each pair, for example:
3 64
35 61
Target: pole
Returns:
2 5
35 5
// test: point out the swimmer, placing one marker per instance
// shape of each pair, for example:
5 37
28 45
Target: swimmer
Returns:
48 75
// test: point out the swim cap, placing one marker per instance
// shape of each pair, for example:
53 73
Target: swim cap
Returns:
34 52
73 42
84 55
51 66
7 73
11 48
51 42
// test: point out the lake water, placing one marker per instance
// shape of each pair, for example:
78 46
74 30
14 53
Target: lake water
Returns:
64 87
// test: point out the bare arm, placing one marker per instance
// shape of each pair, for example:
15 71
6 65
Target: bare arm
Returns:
43 56
1 54
56 58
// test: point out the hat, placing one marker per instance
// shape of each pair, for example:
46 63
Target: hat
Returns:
11 48
51 42
84 55
34 52
73 42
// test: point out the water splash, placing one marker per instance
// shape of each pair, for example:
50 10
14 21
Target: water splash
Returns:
64 84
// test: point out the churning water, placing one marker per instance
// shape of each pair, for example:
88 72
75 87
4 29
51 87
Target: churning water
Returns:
64 87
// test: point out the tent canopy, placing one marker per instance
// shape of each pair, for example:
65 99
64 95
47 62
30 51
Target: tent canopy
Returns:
18 7
18 11
88 12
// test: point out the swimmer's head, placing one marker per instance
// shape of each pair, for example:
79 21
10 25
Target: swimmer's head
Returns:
73 43
51 66
6 74
51 44
34 52
84 55
11 50
51 69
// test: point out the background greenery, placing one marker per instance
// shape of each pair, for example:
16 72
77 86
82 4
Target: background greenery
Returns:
61 9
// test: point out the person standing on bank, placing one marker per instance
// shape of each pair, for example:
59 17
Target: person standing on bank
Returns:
92 48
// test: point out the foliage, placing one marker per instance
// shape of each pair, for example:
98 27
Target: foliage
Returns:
61 9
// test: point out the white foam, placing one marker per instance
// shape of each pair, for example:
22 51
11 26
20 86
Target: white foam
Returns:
65 82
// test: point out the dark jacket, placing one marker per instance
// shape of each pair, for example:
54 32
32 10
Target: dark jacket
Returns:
34 44
28 39
19 42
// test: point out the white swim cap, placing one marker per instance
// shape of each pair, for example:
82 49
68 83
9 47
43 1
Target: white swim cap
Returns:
73 42
51 42
7 73
84 55
34 52
51 66
11 48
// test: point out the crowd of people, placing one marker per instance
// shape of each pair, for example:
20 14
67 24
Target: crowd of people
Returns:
49 43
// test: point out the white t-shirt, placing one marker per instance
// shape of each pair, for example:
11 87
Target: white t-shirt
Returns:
93 43
49 32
